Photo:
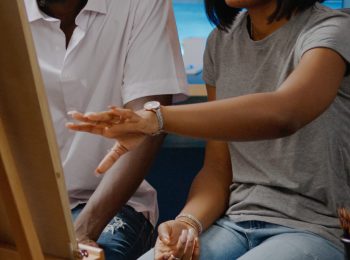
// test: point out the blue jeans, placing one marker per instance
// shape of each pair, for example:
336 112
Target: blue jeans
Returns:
256 240
127 236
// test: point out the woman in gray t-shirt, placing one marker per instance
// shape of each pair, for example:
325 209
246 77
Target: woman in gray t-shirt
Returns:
278 152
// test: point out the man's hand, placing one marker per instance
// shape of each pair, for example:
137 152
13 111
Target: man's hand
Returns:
88 242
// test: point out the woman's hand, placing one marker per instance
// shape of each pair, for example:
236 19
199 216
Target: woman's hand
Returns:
176 240
115 122
126 126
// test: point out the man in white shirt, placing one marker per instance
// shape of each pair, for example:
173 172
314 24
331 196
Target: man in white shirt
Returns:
96 53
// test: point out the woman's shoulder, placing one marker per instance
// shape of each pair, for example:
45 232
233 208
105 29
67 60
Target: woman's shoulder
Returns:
322 10
323 15
323 23
327 28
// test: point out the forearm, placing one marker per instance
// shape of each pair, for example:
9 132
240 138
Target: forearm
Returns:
307 92
210 190
251 117
121 182
206 201
117 186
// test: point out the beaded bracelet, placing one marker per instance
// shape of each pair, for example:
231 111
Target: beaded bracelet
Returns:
192 221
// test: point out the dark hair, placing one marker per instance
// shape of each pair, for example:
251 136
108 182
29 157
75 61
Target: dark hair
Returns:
221 15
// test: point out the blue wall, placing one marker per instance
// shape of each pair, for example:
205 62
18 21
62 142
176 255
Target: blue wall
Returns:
192 21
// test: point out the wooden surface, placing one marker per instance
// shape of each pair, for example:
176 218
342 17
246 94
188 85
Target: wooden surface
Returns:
16 226
28 147
35 221
8 252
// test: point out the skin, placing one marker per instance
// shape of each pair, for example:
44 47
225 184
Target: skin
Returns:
66 11
258 11
209 190
121 183
303 96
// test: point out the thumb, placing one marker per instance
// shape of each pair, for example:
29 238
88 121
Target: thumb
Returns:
164 232
112 156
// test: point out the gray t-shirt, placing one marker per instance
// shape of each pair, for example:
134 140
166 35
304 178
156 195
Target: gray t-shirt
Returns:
300 180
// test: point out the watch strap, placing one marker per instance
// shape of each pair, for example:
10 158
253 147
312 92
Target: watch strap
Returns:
160 121
154 106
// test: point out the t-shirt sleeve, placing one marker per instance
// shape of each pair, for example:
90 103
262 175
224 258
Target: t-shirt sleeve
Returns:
208 60
154 63
332 33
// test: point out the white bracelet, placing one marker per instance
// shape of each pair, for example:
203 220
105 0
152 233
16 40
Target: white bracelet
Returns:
194 222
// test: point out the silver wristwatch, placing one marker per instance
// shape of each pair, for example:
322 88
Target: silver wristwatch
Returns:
154 106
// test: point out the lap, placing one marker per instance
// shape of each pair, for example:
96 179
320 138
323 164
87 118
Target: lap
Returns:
294 246
221 242
127 236
254 240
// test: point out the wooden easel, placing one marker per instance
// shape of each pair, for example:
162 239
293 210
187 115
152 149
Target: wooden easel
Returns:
35 220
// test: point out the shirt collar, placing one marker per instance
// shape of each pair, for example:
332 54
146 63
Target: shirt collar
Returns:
98 6
34 13
33 10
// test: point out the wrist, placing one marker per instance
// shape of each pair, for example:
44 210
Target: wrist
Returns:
82 234
87 228
156 117
88 242
149 124
191 221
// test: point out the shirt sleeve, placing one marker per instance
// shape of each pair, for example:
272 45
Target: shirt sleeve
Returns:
332 33
208 60
154 63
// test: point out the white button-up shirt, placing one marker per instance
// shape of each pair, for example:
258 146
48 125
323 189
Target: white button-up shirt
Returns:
120 50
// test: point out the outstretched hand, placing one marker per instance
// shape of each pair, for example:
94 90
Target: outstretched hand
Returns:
111 123
125 125
176 240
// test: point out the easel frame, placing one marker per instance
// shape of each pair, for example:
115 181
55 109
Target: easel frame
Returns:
35 220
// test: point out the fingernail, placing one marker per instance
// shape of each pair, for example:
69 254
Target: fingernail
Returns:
191 235
89 113
71 112
98 173
183 237
70 127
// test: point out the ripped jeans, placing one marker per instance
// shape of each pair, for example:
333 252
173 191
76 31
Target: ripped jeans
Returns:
127 236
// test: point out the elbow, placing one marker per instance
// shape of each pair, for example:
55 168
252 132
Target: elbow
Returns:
288 129
287 125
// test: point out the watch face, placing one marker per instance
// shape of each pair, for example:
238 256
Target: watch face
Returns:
151 105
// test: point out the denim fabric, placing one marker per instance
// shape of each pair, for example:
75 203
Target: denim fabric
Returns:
127 236
256 240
